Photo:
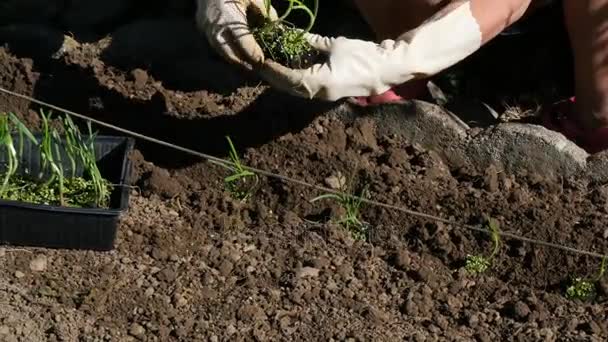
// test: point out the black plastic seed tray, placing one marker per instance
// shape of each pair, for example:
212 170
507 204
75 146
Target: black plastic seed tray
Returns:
37 225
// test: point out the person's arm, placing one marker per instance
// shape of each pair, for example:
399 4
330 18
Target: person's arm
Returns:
492 17
458 30
495 16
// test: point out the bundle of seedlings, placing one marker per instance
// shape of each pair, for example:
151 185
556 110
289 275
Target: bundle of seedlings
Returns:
280 40
68 175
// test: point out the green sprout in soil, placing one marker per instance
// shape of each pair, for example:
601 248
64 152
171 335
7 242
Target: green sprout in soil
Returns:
584 289
237 182
280 40
477 264
352 207
53 185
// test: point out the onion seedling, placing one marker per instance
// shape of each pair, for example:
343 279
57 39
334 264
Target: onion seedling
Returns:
6 140
477 264
101 186
23 132
58 166
72 143
7 123
46 150
584 289
352 206
239 175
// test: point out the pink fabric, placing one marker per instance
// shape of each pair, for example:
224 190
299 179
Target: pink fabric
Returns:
407 91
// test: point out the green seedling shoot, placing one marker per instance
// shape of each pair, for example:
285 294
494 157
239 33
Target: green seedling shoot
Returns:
46 150
279 39
23 132
6 141
56 143
296 5
90 164
352 206
72 143
7 121
235 182
478 264
584 289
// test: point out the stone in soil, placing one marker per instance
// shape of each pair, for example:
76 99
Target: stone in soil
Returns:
39 263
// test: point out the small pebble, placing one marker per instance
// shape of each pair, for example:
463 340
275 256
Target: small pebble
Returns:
19 274
4 330
231 330
521 310
2 252
179 300
249 248
38 264
137 330
335 182
308 272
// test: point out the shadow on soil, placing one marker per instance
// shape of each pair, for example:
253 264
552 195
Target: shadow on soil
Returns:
269 116
170 49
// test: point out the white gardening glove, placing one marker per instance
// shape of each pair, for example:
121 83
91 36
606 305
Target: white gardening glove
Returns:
224 22
354 68
362 68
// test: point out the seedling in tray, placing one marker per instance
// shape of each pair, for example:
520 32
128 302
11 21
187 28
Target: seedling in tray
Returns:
9 122
351 205
584 289
477 264
54 185
281 41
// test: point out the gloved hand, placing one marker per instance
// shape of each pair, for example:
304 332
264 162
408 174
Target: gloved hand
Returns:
353 68
224 22
362 68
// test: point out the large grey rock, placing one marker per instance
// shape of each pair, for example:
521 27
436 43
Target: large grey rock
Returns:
597 167
522 147
514 147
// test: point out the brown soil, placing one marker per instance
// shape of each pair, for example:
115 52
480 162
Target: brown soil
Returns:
193 264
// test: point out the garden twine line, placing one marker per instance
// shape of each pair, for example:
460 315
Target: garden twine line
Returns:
269 174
